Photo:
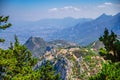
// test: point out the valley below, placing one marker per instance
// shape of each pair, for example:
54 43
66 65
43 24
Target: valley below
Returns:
81 31
71 45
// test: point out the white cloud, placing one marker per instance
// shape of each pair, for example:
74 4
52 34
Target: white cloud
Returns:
66 8
53 9
70 8
106 4
66 11
101 6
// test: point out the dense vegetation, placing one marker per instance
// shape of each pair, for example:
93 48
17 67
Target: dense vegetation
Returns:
112 46
111 52
16 63
110 71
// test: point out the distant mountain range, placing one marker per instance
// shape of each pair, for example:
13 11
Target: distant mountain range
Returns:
90 31
41 28
81 31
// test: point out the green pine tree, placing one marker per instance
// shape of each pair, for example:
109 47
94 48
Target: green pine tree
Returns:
48 73
110 70
112 46
4 25
16 61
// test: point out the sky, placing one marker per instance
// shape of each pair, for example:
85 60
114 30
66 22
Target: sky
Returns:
33 10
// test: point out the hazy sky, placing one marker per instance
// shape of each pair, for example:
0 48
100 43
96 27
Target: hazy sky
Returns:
32 10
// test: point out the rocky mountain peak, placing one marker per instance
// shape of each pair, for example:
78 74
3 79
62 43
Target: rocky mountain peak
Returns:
36 45
36 40
104 16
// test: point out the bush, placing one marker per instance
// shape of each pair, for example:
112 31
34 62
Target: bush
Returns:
110 71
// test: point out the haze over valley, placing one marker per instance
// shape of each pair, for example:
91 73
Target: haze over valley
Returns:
82 31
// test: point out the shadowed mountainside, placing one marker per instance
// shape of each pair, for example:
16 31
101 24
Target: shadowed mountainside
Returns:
88 32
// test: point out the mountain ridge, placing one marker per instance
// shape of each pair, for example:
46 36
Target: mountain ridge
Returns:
90 31
38 46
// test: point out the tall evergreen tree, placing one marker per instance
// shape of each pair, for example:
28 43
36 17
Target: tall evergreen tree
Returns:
48 73
110 71
4 25
16 63
111 45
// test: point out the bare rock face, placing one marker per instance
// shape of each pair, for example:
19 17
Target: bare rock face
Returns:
97 45
71 66
36 45
73 63
63 66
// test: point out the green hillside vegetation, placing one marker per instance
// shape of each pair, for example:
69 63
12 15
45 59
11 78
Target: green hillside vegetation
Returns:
111 53
88 66
16 62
